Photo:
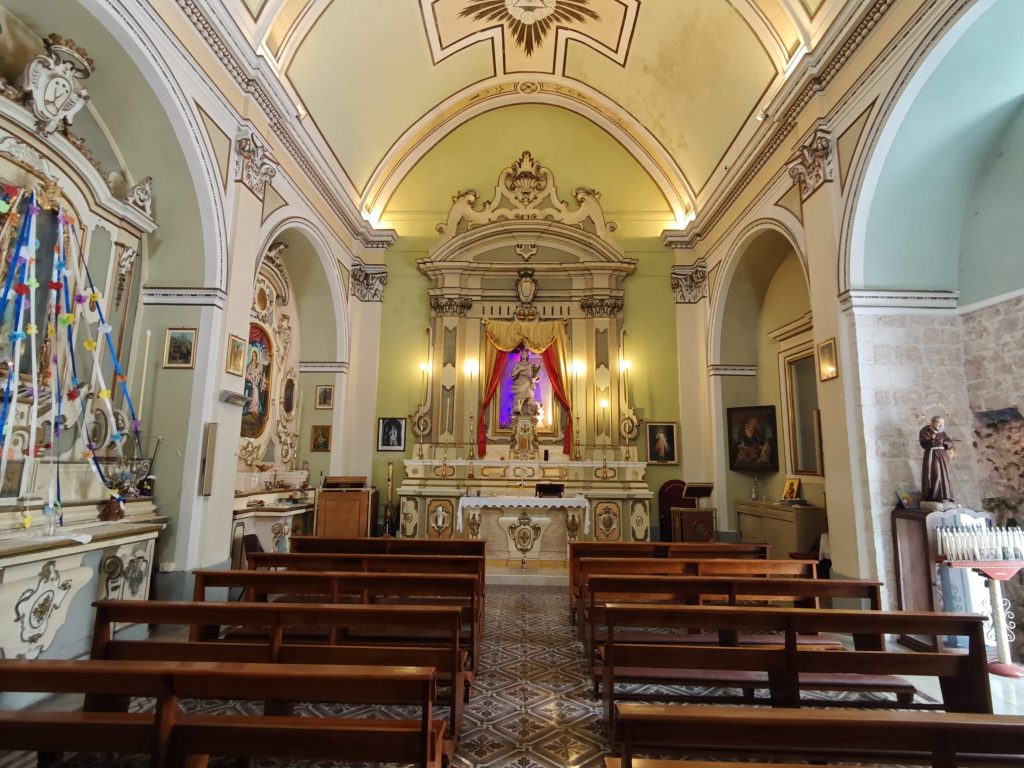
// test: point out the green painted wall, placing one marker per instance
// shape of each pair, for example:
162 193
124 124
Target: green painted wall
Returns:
914 225
992 245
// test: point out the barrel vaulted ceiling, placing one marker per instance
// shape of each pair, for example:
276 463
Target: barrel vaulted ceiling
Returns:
678 84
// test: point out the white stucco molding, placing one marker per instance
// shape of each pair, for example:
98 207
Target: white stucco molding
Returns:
323 366
185 297
854 300
722 369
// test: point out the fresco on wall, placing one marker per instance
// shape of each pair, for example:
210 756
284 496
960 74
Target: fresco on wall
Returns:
258 370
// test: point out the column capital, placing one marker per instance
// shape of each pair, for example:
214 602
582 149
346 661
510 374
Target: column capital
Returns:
254 165
812 165
368 281
690 282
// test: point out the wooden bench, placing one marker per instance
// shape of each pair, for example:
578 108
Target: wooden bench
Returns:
385 546
789 668
800 593
940 739
370 563
171 737
647 566
462 591
653 549
296 633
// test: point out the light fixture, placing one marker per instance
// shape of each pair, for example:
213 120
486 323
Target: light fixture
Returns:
604 403
761 116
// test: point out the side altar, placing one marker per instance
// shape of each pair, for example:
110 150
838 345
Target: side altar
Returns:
525 378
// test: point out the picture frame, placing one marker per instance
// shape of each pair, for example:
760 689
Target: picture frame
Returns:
320 438
324 400
828 363
662 442
791 491
391 434
235 361
180 348
753 438
908 498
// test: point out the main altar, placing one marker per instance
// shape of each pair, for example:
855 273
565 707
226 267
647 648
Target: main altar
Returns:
525 377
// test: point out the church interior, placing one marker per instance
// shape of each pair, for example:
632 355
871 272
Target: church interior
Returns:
464 356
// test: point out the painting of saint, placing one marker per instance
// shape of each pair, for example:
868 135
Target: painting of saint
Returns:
259 360
752 439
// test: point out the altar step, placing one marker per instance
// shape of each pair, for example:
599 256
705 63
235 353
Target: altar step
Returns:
541 573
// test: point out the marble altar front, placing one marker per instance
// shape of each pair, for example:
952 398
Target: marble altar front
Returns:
524 526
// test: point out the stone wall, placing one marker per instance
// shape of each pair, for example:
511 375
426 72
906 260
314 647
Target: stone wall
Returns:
905 362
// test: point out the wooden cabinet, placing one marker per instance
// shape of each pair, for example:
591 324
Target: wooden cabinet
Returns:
344 507
692 524
787 529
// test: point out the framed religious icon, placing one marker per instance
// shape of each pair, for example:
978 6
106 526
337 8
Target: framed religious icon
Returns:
792 490
828 366
324 397
753 439
320 438
236 355
180 348
259 376
391 434
662 444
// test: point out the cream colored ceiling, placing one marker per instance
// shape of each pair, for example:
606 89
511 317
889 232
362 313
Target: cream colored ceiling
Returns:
675 82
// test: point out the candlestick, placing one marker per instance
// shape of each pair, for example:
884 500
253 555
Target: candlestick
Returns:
142 383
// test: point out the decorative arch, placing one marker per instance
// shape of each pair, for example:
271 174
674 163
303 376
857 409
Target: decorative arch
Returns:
728 266
870 161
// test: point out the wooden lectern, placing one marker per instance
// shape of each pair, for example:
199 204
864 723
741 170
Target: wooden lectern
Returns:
344 507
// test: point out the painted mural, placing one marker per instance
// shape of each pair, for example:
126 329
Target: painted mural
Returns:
258 376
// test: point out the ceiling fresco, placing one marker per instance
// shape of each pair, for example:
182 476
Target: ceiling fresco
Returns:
677 83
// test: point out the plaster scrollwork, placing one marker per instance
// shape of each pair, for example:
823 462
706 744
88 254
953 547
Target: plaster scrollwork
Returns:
526 251
125 570
690 283
249 452
526 191
264 301
22 153
51 84
368 281
255 167
140 196
450 306
274 254
813 166
125 264
283 338
601 306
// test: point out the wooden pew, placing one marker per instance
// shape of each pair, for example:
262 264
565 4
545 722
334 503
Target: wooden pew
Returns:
295 633
787 669
801 593
649 549
370 563
941 739
169 736
462 591
382 546
648 566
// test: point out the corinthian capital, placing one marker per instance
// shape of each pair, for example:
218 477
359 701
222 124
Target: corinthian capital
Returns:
812 165
254 165
690 283
368 281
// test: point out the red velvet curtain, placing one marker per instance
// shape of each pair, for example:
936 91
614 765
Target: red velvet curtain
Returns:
492 387
558 387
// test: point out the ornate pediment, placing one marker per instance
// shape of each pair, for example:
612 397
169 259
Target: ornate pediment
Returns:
526 191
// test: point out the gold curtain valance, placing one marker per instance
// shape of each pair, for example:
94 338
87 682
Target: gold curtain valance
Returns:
537 335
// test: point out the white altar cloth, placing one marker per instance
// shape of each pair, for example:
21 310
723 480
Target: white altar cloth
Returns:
524 502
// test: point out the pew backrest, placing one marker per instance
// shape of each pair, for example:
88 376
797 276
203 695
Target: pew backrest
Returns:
384 546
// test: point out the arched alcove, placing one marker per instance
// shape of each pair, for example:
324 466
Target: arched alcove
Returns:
761 314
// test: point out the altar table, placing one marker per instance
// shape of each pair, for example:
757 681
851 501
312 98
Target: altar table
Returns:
524 526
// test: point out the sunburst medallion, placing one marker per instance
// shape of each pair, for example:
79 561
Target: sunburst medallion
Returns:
530 21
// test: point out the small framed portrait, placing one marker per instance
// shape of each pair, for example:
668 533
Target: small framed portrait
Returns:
662 444
324 397
235 364
320 438
391 434
792 490
753 439
180 348
828 364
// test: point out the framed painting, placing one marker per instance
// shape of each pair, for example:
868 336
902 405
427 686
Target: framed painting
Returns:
753 439
235 364
792 490
662 442
828 366
391 434
259 362
180 348
320 438
324 397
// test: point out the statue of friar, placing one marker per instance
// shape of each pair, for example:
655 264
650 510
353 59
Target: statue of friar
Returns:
938 450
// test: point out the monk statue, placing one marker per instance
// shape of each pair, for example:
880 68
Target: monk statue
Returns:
938 450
